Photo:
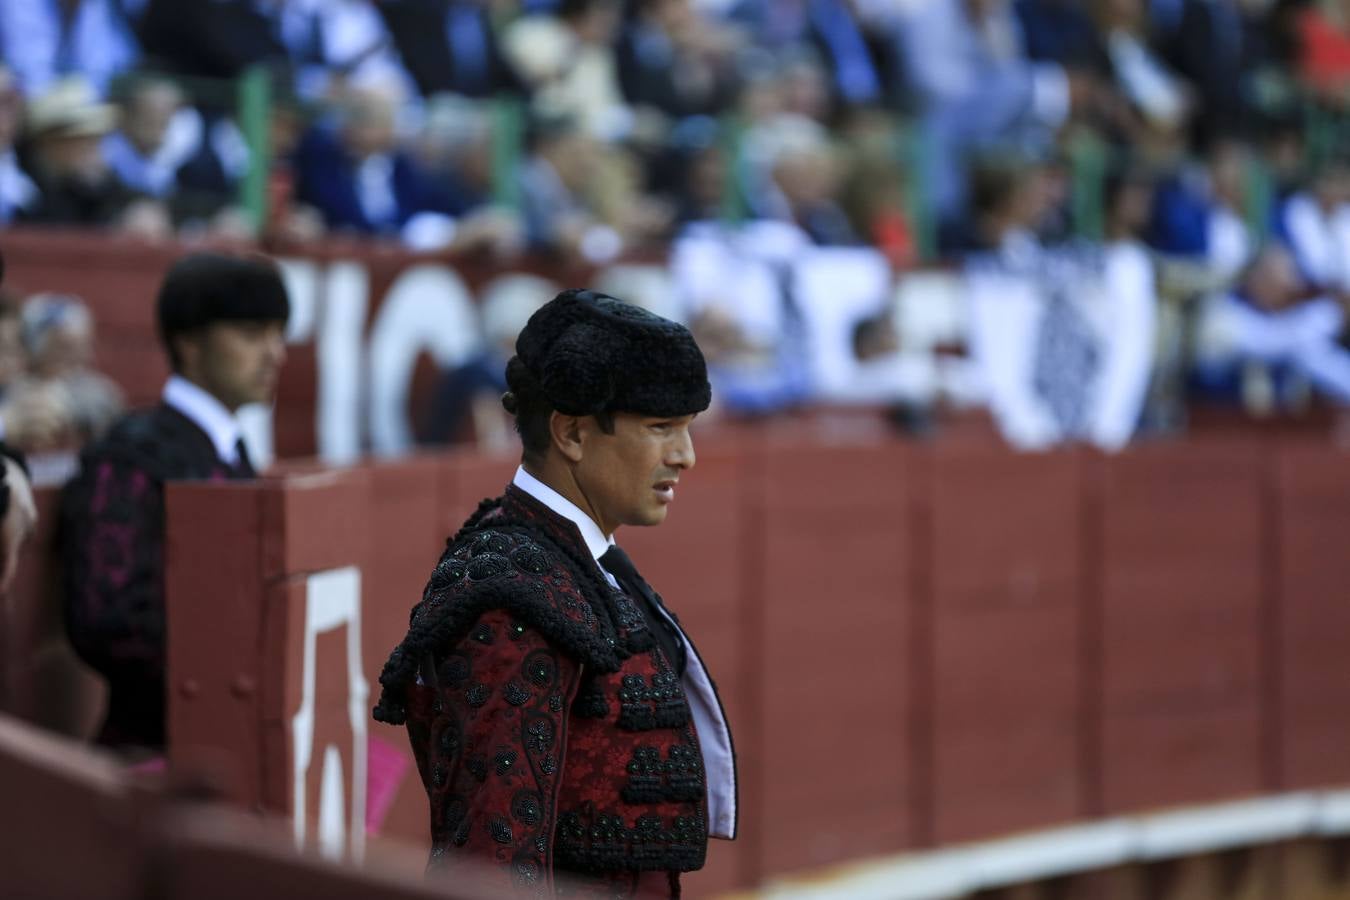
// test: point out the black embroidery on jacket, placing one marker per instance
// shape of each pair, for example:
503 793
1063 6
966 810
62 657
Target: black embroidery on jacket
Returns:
559 612
591 841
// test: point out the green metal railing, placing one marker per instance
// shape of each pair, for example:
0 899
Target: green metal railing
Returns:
508 143
254 104
733 153
1089 158
913 155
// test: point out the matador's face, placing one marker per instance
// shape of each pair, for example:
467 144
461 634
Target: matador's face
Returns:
629 476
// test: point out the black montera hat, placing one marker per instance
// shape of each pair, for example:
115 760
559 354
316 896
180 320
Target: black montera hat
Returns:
592 353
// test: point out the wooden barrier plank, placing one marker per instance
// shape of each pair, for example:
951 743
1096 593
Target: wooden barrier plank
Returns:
68 829
1181 618
835 628
1007 551
216 609
1314 622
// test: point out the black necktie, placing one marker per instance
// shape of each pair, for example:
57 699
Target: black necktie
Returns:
243 466
667 637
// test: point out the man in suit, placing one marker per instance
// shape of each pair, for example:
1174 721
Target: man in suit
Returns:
363 181
567 732
222 320
450 46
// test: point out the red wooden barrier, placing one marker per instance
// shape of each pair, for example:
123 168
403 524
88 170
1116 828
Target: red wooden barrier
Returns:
916 643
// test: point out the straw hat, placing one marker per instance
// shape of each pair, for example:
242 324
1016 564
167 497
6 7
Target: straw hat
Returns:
70 108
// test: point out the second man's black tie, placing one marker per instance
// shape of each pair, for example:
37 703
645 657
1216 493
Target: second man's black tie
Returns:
243 466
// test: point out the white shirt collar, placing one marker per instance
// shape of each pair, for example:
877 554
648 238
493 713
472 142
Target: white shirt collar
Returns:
207 413
595 539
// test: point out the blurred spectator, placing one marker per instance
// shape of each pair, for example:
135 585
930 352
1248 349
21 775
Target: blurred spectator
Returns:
455 149
569 64
875 192
212 38
58 333
17 190
692 173
967 65
1061 31
1324 58
1199 213
324 46
1009 199
1315 224
805 86
827 26
1219 47
337 45
164 149
762 95
153 140
1143 78
736 287
881 373
561 166
468 403
673 60
289 220
450 46
1264 344
30 419
1284 150
65 130
44 41
796 178
362 181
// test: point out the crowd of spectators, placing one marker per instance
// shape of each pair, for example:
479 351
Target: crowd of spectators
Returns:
1108 162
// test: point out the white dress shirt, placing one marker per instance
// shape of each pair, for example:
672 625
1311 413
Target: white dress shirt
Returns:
714 736
207 413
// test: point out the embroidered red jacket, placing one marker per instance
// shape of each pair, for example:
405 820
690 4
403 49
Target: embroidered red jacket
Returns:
550 732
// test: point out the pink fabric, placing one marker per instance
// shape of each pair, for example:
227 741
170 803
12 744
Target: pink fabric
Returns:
155 765
386 767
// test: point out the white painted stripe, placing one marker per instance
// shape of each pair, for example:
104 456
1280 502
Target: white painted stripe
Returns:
957 871
1333 813
1097 845
1212 828
930 876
